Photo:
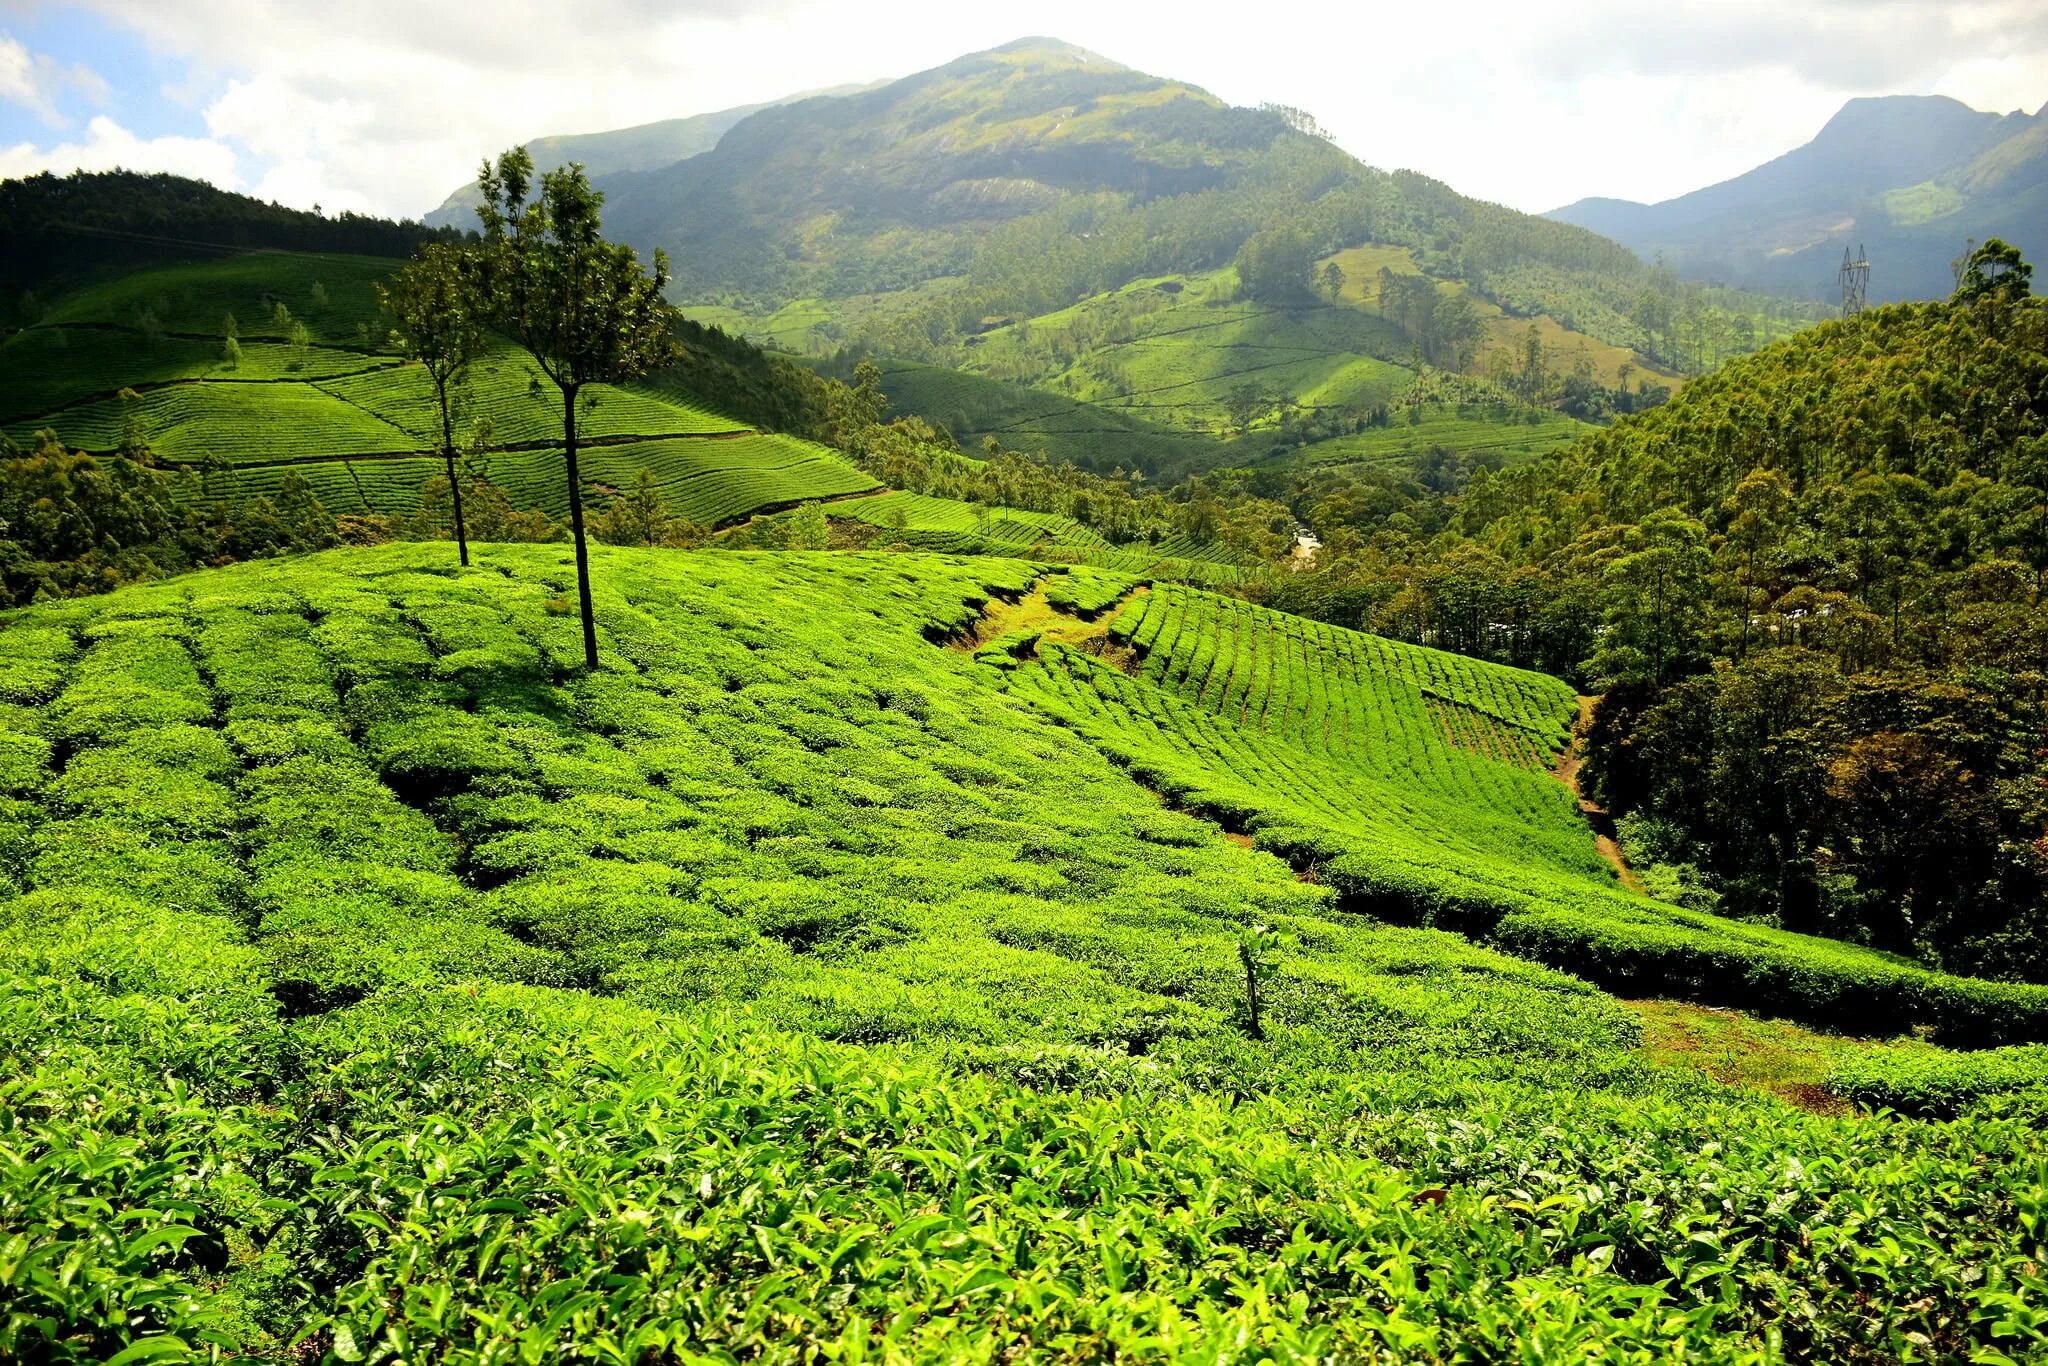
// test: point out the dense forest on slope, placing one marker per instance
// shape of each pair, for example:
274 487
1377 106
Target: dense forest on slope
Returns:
1811 588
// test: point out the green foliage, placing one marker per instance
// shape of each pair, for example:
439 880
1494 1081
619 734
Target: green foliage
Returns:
1994 270
105 222
1276 267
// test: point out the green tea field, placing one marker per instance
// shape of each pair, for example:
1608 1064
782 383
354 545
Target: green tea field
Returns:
905 956
311 388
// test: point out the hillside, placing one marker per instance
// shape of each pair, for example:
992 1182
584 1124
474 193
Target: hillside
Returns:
1810 592
861 929
1909 177
334 407
975 408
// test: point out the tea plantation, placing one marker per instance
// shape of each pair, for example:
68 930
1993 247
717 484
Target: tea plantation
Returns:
859 965
310 388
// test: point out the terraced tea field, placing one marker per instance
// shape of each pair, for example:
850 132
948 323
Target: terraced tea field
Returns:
378 980
974 408
359 425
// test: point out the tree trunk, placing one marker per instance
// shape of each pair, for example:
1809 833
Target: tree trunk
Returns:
576 528
454 488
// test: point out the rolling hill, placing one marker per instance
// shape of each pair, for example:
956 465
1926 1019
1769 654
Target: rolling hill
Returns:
1909 177
876 956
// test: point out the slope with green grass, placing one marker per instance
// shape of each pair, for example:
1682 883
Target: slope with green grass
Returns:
380 984
975 408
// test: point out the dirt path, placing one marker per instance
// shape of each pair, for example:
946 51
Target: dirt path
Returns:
1566 771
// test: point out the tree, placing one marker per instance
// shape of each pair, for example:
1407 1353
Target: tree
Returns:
1994 269
1333 281
1276 267
436 310
581 306
808 530
638 516
1654 602
1244 403
1759 513
1455 331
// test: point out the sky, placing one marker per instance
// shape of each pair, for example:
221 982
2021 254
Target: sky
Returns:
385 106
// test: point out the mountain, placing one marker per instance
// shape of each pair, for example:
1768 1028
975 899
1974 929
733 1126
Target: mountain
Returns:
1033 175
640 148
1910 178
1040 214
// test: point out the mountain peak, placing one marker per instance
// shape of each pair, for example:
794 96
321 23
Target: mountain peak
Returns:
1049 51
1923 117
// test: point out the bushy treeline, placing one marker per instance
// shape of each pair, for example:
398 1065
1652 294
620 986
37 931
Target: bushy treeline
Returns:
1811 589
73 523
99 220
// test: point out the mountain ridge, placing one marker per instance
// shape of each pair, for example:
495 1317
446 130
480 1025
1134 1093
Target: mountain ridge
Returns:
1910 176
639 147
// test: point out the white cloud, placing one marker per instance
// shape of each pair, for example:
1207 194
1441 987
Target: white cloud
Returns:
108 145
389 104
36 82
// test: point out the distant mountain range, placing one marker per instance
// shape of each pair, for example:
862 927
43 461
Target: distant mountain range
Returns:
1911 178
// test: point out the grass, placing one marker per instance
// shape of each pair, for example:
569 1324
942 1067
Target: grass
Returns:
1059 428
1170 356
1777 1056
791 986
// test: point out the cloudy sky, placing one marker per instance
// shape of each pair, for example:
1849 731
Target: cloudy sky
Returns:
386 105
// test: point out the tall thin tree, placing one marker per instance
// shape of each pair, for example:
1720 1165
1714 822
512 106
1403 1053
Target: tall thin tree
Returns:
437 312
582 307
